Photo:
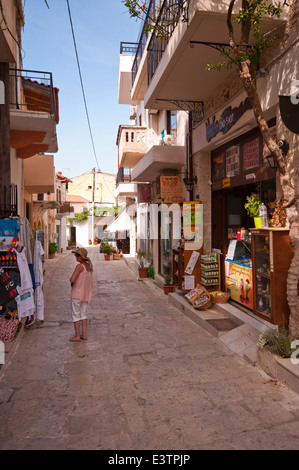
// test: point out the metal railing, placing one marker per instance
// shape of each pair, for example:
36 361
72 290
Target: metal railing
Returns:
32 90
143 38
8 200
169 14
123 175
128 48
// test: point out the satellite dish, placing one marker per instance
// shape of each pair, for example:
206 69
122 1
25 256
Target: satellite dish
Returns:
168 139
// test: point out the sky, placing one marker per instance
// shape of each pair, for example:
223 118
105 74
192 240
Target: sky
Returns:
47 42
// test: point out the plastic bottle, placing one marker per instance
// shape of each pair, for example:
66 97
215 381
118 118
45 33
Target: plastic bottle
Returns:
263 215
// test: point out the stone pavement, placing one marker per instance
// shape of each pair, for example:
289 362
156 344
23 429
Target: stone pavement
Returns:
147 377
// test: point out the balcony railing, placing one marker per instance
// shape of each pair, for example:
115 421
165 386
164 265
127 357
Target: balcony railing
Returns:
32 90
123 175
143 38
170 9
8 200
128 48
64 208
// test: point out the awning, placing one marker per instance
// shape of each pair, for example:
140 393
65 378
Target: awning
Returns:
121 223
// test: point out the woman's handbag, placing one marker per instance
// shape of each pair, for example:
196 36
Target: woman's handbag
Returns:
8 328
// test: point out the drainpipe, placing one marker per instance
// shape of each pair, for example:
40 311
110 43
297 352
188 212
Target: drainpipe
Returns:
190 160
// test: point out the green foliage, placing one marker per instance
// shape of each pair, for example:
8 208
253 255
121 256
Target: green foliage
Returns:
252 205
277 342
52 248
144 257
100 211
81 216
250 17
107 248
168 280
138 9
151 272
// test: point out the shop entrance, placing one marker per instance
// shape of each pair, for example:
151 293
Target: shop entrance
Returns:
229 214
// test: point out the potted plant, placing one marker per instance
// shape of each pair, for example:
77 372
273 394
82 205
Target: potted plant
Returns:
52 250
116 254
144 257
252 207
168 285
107 249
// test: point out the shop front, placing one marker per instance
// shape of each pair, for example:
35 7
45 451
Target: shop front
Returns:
250 262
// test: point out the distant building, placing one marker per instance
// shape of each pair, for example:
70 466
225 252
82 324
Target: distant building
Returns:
88 193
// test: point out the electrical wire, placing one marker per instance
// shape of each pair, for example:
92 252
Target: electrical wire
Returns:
81 80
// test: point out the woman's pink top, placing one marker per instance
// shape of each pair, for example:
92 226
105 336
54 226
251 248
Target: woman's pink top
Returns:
82 288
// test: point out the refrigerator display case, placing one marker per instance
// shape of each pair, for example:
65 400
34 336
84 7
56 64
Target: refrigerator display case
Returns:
271 256
238 272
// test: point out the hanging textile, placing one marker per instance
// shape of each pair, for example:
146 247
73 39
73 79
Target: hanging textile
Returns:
25 235
38 276
25 300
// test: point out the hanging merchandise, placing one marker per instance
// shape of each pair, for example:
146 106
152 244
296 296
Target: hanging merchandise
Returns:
8 289
8 328
25 235
26 279
38 275
9 230
25 300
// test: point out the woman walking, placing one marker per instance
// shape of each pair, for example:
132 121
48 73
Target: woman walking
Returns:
81 295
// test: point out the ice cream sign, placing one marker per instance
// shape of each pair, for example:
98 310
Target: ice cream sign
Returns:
227 119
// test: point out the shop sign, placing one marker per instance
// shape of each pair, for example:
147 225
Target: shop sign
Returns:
144 192
171 189
227 119
226 182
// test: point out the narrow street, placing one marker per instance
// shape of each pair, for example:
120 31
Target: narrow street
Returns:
146 378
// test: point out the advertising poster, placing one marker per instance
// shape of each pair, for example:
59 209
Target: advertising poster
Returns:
233 161
238 283
171 189
251 154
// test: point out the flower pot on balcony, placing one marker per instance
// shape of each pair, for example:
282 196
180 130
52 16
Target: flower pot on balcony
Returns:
107 257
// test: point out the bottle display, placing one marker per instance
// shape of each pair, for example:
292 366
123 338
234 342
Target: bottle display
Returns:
263 215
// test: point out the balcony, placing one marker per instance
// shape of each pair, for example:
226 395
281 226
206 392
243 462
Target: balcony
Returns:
126 58
132 145
172 71
124 185
39 174
157 159
64 210
33 112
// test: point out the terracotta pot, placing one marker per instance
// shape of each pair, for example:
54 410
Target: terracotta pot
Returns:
52 255
107 257
143 272
116 255
167 289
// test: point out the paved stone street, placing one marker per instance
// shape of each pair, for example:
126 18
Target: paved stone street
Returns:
147 378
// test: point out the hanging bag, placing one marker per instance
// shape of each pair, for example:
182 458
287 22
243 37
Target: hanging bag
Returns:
8 328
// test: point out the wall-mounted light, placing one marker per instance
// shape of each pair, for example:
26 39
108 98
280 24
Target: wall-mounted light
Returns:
189 182
284 146
271 161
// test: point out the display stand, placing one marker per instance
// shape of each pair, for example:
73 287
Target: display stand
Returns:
210 271
271 256
186 260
